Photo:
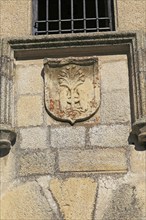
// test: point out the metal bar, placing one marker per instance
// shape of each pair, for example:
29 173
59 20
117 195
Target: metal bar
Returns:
59 13
47 16
104 18
110 14
97 16
35 16
80 19
105 28
84 14
72 16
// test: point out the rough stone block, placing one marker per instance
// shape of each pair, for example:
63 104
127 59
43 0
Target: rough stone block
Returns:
114 74
26 201
109 136
28 79
68 137
33 138
98 160
36 162
115 107
29 111
16 17
75 196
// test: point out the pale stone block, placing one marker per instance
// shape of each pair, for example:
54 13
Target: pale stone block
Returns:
75 196
109 136
99 160
28 79
33 138
16 17
38 162
25 202
131 15
114 75
68 137
29 111
138 161
115 107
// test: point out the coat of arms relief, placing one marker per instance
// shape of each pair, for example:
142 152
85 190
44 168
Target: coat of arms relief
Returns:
72 88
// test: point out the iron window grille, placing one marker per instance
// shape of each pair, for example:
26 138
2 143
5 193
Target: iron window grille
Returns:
72 16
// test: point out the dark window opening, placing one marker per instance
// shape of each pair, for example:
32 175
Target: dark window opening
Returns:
72 16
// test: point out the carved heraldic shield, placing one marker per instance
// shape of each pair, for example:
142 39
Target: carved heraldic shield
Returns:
72 88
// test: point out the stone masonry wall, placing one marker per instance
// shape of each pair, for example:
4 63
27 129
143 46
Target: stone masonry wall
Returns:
92 170
80 172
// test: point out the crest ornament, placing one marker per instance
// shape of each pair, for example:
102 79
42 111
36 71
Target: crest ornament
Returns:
72 88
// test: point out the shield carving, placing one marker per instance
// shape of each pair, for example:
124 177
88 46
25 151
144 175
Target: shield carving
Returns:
72 88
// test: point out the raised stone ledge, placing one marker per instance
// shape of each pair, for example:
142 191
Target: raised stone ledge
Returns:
7 136
139 129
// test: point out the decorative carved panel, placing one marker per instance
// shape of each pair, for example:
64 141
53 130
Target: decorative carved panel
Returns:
72 88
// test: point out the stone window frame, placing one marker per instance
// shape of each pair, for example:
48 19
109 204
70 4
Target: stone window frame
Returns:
130 44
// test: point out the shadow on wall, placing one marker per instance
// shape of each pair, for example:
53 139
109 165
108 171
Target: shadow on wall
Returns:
133 139
5 151
124 204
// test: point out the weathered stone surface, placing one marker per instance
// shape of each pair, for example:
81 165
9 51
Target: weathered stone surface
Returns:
114 74
115 103
97 160
36 162
44 181
109 136
72 90
15 17
141 195
7 170
26 202
124 204
75 196
137 161
33 138
131 15
29 111
28 78
118 197
68 137
106 185
115 107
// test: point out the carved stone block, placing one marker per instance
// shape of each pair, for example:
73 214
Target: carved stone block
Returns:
72 88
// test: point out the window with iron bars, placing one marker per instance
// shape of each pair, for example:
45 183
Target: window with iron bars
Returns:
72 16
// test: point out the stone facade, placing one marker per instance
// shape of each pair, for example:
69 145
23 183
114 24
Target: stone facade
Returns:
87 160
